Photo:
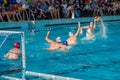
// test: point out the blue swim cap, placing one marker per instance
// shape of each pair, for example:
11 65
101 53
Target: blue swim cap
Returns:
65 43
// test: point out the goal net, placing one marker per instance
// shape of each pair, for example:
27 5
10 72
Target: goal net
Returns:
7 40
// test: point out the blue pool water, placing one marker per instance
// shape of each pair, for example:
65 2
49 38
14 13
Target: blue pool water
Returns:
96 59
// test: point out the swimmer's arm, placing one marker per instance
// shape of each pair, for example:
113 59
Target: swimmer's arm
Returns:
81 31
8 53
47 39
5 56
85 27
94 26
77 33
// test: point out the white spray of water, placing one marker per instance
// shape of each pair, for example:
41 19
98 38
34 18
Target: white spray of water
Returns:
103 29
33 26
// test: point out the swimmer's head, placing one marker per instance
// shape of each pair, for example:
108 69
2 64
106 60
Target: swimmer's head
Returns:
65 43
91 24
70 34
17 45
58 39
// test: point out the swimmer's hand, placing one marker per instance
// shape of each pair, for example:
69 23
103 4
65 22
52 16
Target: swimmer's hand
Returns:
78 24
95 18
5 56
48 32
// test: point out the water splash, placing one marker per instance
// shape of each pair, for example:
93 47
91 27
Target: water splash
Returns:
103 29
32 26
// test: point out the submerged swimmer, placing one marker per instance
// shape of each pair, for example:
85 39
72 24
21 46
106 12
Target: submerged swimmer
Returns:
72 40
90 30
15 52
55 45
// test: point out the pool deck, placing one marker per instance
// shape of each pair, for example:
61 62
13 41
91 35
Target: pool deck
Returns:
23 26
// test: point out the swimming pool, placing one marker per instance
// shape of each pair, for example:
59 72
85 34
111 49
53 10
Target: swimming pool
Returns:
96 59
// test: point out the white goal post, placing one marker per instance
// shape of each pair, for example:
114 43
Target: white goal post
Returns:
2 32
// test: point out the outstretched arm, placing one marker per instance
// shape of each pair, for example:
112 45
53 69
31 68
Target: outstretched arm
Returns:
85 27
77 33
94 26
81 31
47 39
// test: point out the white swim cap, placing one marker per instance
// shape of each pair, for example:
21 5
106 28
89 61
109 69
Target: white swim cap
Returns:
58 39
70 34
91 23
